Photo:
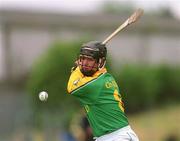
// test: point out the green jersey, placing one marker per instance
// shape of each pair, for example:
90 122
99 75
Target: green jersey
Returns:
101 99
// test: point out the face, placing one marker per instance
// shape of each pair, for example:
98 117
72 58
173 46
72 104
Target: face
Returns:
88 64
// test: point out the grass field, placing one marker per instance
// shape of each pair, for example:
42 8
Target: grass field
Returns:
157 124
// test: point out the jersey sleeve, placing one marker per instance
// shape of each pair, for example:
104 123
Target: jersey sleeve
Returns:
78 80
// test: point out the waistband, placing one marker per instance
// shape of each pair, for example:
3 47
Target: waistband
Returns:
113 133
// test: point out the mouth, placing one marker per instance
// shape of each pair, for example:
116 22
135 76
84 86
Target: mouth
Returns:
87 67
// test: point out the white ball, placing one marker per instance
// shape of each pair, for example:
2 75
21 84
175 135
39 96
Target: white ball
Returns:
43 96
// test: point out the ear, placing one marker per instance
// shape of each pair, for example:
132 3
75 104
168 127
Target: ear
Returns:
78 62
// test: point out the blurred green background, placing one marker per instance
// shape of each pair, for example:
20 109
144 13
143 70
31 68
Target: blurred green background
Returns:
38 49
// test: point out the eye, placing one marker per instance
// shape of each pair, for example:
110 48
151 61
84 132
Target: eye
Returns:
90 59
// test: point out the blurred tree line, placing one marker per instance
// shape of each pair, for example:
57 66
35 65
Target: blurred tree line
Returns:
127 7
145 87
142 87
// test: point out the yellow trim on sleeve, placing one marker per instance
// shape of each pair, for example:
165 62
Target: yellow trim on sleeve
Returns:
118 98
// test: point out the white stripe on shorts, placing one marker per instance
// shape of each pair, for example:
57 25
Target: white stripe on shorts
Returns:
123 134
